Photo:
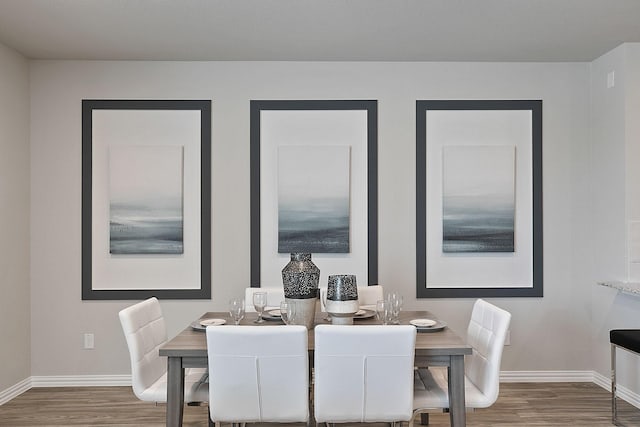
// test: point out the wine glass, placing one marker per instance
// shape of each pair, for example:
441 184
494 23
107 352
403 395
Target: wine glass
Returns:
395 301
287 312
259 303
383 311
236 309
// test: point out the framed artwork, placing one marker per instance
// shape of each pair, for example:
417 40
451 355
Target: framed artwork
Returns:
479 198
314 187
146 199
313 199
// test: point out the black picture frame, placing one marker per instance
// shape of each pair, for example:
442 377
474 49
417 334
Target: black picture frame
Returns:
371 107
88 107
422 289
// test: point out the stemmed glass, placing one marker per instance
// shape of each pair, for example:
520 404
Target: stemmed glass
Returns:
287 312
383 311
395 301
236 309
259 303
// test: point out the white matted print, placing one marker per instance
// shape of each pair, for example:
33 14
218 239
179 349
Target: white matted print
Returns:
313 199
178 129
479 128
309 128
478 198
145 200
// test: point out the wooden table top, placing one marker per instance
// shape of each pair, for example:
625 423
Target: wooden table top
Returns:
192 343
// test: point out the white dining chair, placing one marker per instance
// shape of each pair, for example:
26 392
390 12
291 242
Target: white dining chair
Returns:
486 335
145 331
363 373
275 295
258 374
368 296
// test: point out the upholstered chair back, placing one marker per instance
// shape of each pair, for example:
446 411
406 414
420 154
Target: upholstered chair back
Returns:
486 333
258 373
368 296
274 296
363 373
144 329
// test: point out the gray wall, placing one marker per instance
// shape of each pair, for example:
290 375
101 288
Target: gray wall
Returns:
540 327
615 183
15 310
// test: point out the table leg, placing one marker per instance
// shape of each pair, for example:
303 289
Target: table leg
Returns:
424 419
457 412
175 391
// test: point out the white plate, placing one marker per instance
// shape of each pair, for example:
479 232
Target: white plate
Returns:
364 314
273 314
423 323
212 322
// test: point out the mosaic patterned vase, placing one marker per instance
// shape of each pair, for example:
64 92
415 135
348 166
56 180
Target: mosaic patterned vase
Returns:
342 299
300 279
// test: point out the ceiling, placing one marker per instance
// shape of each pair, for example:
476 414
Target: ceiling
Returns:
319 30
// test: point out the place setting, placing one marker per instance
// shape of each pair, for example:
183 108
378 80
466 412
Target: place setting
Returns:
201 324
364 313
273 314
428 325
284 314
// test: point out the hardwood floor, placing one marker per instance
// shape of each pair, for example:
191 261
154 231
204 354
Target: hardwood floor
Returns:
520 404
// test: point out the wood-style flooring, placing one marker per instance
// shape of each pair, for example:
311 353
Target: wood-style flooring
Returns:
520 404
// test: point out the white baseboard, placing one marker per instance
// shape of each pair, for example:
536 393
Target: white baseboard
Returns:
602 381
81 381
622 392
14 391
63 381
547 377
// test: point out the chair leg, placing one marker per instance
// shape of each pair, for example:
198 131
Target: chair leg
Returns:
210 423
614 406
423 416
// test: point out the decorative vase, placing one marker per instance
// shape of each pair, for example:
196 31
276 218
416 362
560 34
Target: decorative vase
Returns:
300 279
342 299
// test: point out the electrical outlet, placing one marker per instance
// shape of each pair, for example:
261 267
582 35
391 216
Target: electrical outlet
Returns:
88 341
507 338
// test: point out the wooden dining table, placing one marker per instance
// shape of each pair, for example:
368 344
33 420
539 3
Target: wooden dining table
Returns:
443 347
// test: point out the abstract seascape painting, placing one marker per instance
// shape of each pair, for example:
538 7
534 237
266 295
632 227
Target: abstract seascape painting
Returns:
478 204
145 200
313 199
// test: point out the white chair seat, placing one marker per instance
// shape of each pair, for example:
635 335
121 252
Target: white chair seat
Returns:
145 331
432 390
196 388
485 334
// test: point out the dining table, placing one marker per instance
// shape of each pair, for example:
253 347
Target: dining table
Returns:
434 347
